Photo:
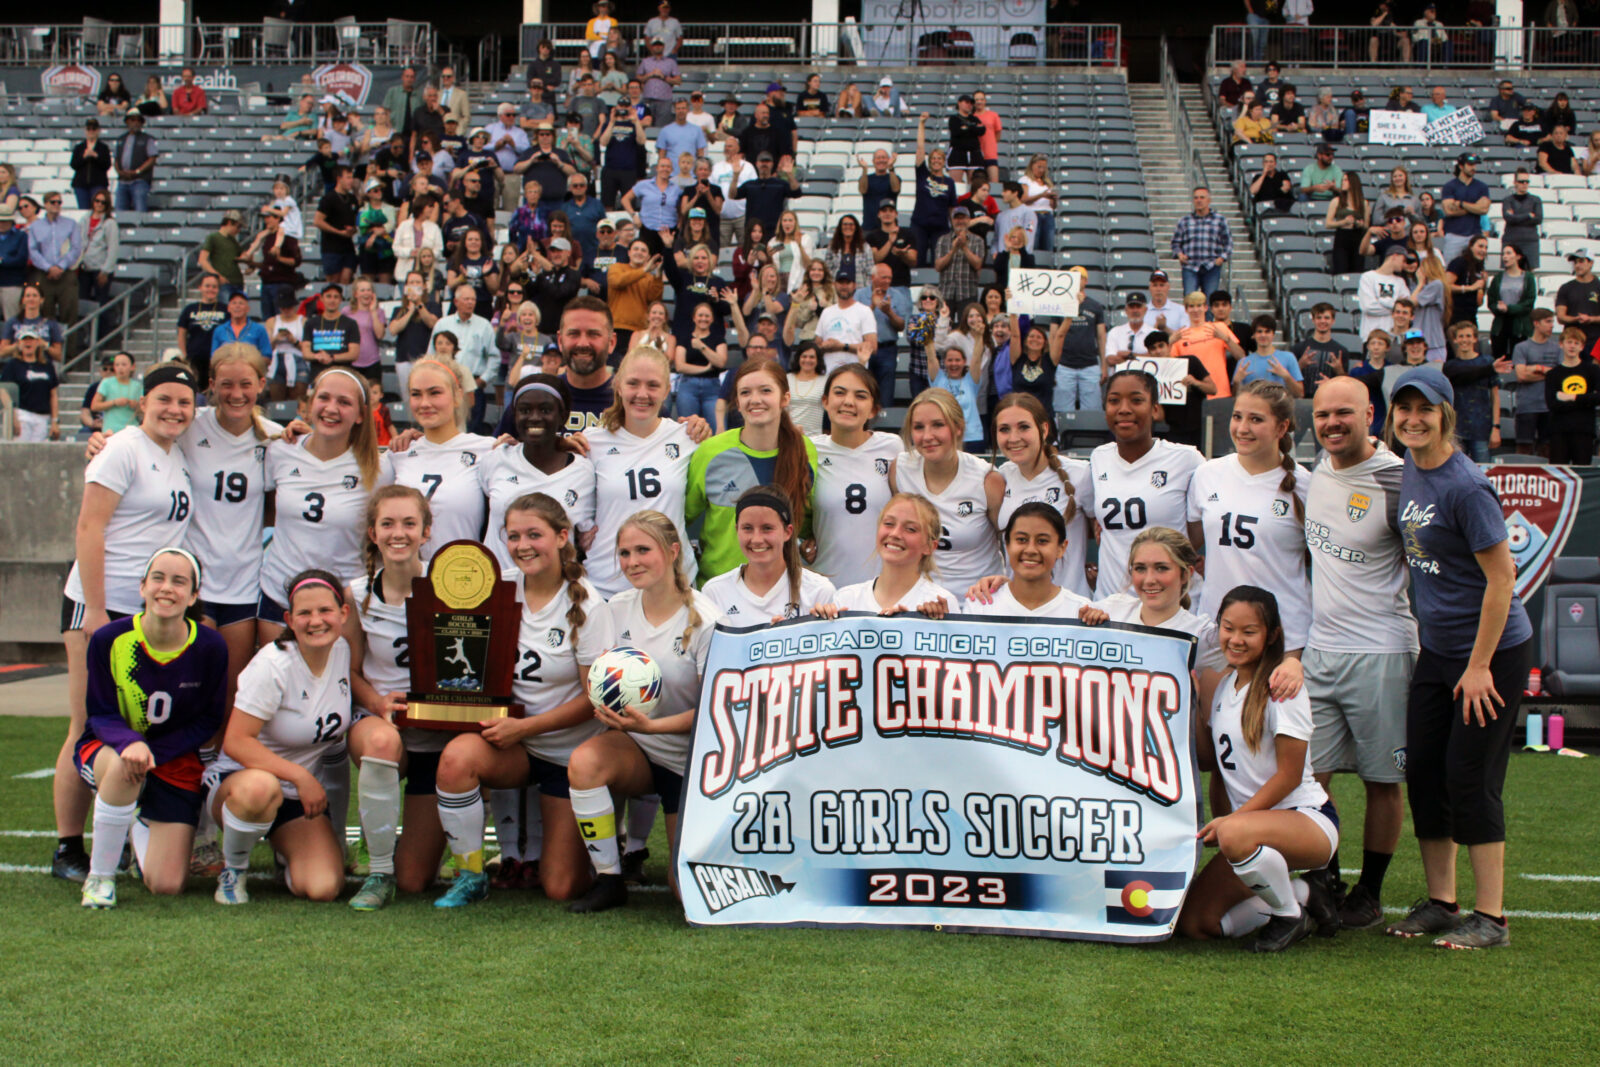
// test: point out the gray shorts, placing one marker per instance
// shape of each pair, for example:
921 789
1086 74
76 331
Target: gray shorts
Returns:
1358 712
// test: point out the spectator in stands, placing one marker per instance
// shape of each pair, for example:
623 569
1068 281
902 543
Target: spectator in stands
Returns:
767 193
1288 114
419 230
1321 357
887 100
588 110
732 122
91 165
1511 296
544 65
101 236
1437 107
1013 254
733 171
277 256
1267 363
28 210
536 108
1272 186
239 326
1270 91
699 227
547 165
1357 116
812 103
848 256
1556 155
136 154
375 227
221 253
1254 126
154 101
1325 120
893 245
1040 195
402 101
1013 215
1397 194
1377 291
1222 311
679 135
1212 344
557 279
1476 378
584 214
851 104
792 249
453 98
1321 179
958 257
966 132
1560 113
31 316
476 349
509 142
764 135
1235 85
336 218
699 116
1531 360
1577 301
598 29
429 119
1165 313
751 255
1127 339
457 221
1385 28
807 302
37 414
114 99
935 196
1347 218
692 287
989 141
55 244
1465 200
1429 297
1079 346
1506 107
10 195
891 308
1527 131
1429 221
1202 243
1400 99
1378 239
878 181
667 28
13 262
1521 215
658 75
189 98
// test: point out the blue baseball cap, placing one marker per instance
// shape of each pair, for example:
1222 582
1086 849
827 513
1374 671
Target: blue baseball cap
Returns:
1429 380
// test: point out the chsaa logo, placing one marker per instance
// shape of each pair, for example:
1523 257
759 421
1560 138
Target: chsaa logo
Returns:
722 886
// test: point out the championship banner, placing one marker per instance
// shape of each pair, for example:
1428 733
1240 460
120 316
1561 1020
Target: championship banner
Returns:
1396 127
1541 507
1044 293
1168 372
986 775
1461 126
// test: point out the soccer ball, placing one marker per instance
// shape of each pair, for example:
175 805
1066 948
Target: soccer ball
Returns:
624 677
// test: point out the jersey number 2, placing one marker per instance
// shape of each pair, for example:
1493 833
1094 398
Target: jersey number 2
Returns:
1225 757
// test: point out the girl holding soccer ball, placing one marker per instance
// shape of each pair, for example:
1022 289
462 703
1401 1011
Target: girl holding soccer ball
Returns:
641 754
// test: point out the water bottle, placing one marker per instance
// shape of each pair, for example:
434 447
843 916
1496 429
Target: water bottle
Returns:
1535 729
1534 683
1557 733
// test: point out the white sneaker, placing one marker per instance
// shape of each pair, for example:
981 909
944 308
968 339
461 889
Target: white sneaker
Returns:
230 887
100 891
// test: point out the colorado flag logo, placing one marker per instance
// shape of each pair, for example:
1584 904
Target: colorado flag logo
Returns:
1143 898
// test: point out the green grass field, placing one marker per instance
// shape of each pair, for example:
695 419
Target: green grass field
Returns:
518 980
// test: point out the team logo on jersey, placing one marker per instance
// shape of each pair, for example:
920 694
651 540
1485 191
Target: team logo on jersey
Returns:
1052 495
1158 479
722 886
570 497
205 442
1399 757
1541 507
344 688
613 451
964 508
469 459
677 645
350 481
1575 610
881 465
1280 508
1357 506
672 451
555 636
259 453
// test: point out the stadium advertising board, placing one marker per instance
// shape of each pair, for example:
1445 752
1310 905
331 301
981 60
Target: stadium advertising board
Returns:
1016 776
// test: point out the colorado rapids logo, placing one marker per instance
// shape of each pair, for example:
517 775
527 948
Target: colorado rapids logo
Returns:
1540 506
722 886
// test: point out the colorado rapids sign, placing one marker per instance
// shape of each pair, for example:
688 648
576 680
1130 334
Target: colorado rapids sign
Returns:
1541 506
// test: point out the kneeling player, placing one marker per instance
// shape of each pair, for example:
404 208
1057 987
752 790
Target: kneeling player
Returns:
156 692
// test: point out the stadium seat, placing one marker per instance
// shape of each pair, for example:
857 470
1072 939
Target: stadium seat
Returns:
1571 631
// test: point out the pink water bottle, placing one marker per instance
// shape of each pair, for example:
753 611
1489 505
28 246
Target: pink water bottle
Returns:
1556 731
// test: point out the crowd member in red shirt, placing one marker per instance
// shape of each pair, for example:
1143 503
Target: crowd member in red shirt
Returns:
189 98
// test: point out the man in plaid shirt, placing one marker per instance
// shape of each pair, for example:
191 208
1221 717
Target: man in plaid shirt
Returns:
958 257
1202 243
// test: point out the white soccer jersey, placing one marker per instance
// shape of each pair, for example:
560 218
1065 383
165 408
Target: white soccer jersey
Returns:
742 607
681 668
230 492
1129 498
633 474
386 663
1126 607
1358 574
859 597
1245 772
303 714
852 488
506 474
1046 487
553 667
154 511
447 475
321 515
1064 605
1252 537
969 546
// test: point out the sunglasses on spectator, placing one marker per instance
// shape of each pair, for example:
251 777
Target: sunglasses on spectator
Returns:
52 201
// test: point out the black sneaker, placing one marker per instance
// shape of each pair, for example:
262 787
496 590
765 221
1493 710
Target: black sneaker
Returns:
1361 909
1322 904
609 891
70 864
633 866
1282 931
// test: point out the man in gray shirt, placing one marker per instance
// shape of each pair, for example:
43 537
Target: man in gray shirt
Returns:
1531 360
664 26
1014 214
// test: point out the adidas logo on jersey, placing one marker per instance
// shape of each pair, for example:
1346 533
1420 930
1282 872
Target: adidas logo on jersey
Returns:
1212 499
155 468
731 487
304 695
295 473
205 442
733 609
1103 477
826 462
613 452
626 635
512 478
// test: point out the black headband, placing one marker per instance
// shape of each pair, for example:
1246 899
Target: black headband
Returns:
765 500
165 373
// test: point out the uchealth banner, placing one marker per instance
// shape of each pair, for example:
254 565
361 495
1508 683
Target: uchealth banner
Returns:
1015 776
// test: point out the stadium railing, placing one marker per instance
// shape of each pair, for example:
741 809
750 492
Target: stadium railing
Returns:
1194 170
1464 47
271 42
889 44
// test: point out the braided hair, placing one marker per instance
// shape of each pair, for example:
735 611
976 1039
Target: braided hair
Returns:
660 529
1278 401
1047 442
555 516
370 554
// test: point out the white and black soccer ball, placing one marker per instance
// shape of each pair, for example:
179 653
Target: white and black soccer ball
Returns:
625 677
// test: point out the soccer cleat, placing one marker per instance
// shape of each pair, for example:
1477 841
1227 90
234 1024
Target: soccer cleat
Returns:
70 864
633 866
1476 931
1322 904
374 893
609 891
1282 931
1361 909
529 876
230 887
469 887
1425 917
360 861
206 860
507 874
99 891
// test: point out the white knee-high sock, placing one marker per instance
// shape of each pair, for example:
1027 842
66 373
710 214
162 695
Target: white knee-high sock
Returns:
139 834
461 816
239 837
1267 874
334 774
378 800
532 826
507 807
1245 917
597 822
111 822
641 820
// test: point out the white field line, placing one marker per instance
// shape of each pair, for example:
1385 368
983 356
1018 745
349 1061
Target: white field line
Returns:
1560 877
47 772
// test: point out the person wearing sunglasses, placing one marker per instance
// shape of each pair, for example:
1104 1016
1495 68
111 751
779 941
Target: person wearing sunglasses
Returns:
91 165
101 238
